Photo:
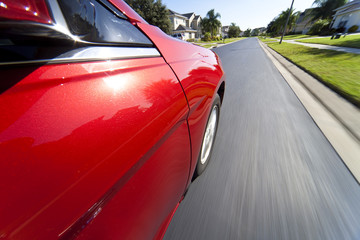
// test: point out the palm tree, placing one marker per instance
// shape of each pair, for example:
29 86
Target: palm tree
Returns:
325 8
210 23
276 26
292 19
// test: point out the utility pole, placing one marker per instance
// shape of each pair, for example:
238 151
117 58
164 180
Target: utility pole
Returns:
287 20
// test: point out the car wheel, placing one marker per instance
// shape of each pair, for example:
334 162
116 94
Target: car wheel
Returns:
209 137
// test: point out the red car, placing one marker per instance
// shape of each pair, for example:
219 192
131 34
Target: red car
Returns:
104 120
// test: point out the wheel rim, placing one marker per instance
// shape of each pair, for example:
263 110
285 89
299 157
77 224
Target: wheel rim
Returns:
209 135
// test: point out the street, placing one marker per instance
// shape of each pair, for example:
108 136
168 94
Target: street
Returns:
273 174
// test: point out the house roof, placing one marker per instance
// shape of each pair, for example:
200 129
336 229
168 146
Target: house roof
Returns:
304 16
188 15
177 14
349 7
184 28
173 12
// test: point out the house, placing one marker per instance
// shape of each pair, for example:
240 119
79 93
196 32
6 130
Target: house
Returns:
347 16
188 25
225 31
304 22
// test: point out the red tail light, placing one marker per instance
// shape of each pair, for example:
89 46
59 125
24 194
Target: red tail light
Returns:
25 10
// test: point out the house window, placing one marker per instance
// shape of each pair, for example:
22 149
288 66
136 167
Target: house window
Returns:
343 21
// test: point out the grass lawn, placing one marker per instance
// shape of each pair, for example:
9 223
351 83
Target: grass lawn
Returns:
339 70
266 40
227 40
348 41
297 36
207 45
215 43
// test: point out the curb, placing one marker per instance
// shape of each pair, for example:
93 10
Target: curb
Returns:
344 111
338 119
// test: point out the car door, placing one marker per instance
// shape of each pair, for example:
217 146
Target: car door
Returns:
94 141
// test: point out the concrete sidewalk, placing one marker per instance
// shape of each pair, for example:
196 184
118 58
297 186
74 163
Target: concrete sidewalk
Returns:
338 119
326 47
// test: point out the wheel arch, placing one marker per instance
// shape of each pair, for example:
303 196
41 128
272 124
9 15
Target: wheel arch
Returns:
221 91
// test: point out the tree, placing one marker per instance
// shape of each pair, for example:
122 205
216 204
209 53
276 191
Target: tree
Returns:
320 27
234 31
154 12
325 8
210 23
255 32
247 32
276 26
292 19
272 28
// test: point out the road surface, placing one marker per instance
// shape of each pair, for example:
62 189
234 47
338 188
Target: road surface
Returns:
273 174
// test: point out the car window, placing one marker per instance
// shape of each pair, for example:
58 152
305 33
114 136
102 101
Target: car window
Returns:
81 31
92 22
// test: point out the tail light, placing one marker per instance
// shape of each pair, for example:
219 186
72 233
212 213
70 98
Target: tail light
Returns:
25 10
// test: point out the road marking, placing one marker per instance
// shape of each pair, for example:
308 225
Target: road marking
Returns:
347 147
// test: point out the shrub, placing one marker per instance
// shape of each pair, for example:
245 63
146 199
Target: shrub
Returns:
207 37
353 29
340 30
327 31
320 27
191 40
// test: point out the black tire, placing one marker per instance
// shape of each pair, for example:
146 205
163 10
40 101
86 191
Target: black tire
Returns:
205 151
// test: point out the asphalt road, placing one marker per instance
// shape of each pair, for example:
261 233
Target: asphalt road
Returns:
273 174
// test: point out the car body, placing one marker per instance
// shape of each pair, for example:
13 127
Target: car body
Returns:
102 122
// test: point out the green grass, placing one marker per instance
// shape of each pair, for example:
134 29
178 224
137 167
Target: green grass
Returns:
348 41
207 45
266 40
230 40
227 40
338 70
207 41
297 36
216 43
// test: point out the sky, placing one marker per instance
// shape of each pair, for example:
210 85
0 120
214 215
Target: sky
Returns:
246 14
